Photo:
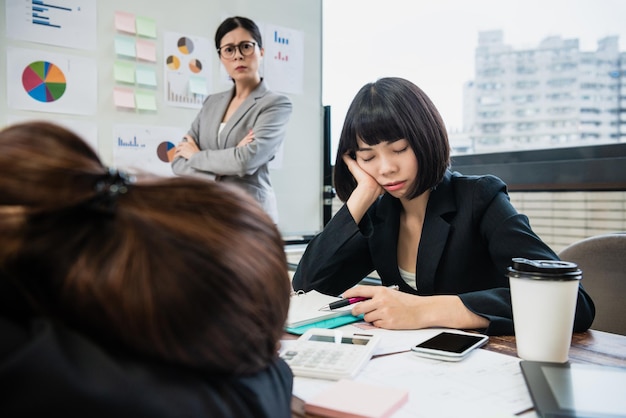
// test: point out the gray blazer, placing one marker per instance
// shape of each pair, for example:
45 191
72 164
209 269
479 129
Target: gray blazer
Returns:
265 112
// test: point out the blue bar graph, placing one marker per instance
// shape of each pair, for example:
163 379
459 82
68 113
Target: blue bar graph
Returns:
280 40
131 143
39 16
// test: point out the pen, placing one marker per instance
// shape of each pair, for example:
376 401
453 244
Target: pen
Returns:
349 301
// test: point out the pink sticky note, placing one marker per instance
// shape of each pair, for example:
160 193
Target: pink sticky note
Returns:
348 398
124 97
125 22
146 50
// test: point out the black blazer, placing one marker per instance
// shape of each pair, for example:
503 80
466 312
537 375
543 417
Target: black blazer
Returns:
470 234
48 369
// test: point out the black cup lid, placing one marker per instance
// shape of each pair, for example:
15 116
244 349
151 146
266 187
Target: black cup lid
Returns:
545 267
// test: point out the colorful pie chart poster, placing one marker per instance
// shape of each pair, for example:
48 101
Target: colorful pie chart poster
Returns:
186 69
150 149
48 82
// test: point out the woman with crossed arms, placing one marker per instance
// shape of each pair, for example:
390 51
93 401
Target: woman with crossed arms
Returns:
239 131
444 238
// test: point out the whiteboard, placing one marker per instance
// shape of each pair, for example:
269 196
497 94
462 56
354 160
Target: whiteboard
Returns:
297 173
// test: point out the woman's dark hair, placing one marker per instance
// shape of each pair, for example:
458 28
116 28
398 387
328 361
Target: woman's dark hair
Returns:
178 270
391 109
235 22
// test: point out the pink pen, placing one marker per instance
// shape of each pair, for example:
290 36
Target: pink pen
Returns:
349 301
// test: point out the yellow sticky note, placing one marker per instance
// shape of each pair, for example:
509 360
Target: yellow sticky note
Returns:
124 72
145 100
146 27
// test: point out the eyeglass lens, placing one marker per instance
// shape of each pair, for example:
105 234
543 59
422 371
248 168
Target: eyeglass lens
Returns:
245 48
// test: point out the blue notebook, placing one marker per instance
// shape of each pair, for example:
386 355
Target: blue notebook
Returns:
305 313
326 323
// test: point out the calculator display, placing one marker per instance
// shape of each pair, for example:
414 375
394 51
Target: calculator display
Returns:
344 340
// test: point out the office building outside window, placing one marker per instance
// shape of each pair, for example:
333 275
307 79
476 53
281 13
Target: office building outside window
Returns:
554 95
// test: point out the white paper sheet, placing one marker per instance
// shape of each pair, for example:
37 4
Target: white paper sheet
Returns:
485 384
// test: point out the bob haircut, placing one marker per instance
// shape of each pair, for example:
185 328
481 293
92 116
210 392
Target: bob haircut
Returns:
235 22
388 110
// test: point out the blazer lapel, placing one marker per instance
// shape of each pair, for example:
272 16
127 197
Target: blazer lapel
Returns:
434 235
384 242
220 109
241 112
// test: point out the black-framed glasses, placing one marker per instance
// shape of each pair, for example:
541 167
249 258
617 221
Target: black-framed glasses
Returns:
245 48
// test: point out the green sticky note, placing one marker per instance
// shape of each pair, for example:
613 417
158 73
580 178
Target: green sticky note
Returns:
124 72
145 27
145 100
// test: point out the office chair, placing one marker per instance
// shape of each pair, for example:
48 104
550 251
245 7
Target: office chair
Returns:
602 259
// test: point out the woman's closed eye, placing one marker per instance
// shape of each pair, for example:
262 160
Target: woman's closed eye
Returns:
400 151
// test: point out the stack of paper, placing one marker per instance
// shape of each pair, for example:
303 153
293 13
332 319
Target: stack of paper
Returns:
304 311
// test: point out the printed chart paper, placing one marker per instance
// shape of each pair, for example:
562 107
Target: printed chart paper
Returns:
67 23
284 58
149 149
187 69
50 82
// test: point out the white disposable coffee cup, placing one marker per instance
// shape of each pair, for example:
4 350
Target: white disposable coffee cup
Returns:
543 297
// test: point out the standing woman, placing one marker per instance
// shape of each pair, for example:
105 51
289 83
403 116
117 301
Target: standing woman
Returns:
239 131
444 238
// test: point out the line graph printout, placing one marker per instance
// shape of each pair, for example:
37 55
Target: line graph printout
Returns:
67 23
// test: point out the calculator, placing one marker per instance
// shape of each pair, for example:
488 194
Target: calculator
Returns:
329 354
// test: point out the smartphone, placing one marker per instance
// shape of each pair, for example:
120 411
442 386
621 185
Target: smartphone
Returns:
450 346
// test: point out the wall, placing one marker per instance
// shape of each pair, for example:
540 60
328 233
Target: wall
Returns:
298 179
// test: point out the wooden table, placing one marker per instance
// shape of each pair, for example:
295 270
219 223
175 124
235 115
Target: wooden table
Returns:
595 347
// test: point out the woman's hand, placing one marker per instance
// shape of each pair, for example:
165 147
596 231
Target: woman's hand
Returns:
393 309
186 148
246 139
366 192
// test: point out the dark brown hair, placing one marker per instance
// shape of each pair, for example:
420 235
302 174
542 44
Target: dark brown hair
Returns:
178 269
232 23
391 109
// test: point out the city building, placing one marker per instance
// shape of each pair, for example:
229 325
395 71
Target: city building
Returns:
550 96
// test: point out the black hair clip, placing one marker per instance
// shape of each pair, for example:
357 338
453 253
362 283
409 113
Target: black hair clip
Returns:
107 189
114 183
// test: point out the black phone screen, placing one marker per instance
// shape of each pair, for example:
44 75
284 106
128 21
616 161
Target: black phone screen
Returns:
454 343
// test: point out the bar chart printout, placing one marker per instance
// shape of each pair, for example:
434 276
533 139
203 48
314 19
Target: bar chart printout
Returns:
67 23
284 58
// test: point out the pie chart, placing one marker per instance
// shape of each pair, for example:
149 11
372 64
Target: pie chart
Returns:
185 45
195 66
165 151
173 63
44 81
